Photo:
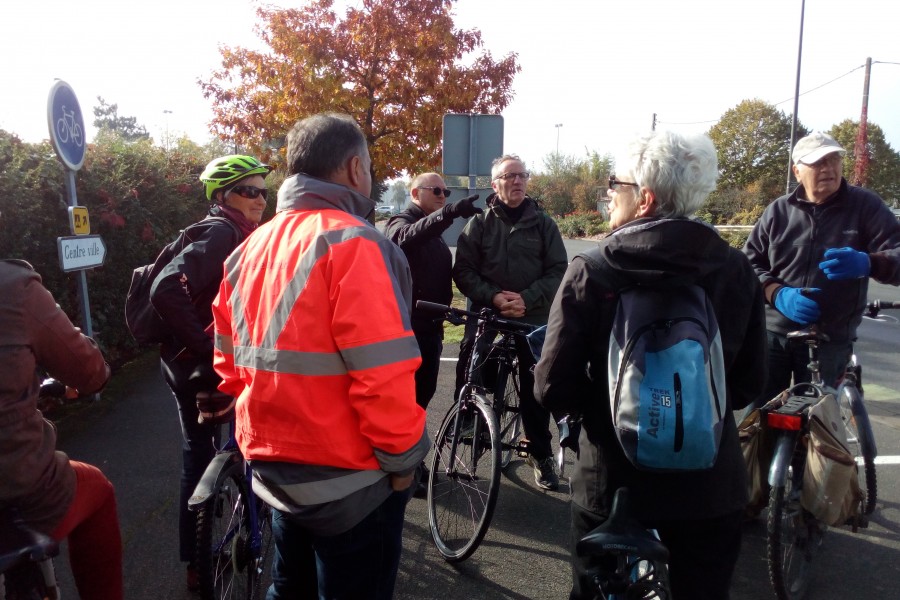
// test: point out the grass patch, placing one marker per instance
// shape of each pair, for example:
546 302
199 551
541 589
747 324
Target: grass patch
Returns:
453 334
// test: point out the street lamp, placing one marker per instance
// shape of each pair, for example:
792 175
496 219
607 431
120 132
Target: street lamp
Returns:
558 125
167 112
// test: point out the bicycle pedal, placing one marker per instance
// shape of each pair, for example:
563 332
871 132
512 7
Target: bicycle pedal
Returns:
522 449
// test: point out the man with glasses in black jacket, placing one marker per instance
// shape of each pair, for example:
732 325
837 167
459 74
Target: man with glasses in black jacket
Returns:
417 230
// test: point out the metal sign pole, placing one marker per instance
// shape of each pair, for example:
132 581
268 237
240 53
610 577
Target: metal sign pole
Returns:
473 153
86 324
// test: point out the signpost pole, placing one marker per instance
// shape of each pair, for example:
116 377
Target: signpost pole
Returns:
473 152
83 300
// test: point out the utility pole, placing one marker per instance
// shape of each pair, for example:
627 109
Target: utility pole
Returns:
861 149
653 126
790 172
558 125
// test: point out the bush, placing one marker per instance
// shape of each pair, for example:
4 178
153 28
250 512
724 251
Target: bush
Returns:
582 224
138 196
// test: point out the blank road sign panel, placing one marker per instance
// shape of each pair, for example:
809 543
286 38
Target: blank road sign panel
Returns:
471 143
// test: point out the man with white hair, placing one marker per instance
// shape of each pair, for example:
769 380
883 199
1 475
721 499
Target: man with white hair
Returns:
814 251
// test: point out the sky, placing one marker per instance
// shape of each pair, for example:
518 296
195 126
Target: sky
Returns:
598 68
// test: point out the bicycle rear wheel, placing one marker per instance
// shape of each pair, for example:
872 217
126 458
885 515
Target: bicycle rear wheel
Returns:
792 538
507 409
862 443
463 489
225 560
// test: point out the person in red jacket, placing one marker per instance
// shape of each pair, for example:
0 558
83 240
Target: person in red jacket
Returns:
313 337
62 498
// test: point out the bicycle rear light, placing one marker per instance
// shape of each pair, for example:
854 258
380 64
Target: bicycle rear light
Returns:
781 421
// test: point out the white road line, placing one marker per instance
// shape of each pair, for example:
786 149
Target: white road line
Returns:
883 460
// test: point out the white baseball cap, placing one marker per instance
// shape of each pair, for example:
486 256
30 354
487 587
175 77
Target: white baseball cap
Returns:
813 147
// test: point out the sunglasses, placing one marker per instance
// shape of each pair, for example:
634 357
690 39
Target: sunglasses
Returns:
437 191
615 184
249 191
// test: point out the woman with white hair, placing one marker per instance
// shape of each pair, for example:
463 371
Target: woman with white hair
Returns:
660 183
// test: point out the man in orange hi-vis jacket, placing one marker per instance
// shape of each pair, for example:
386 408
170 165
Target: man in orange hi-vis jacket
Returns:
313 337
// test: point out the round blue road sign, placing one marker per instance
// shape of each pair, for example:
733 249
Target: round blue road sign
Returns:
66 125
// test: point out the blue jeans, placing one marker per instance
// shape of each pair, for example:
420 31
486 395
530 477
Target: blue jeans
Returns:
358 564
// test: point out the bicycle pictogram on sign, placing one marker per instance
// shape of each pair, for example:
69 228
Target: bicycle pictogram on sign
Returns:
67 127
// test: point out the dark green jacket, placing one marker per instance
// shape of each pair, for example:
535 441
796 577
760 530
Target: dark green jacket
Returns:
494 255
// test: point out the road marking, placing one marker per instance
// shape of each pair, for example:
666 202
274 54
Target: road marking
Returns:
882 460
450 359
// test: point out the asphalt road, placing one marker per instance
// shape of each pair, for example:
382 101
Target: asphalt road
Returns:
132 434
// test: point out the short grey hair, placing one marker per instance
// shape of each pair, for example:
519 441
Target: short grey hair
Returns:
321 144
681 170
495 166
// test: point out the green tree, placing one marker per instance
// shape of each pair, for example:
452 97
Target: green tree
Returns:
884 161
107 119
396 67
753 145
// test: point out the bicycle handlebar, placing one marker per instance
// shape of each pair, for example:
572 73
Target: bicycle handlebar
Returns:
453 314
876 306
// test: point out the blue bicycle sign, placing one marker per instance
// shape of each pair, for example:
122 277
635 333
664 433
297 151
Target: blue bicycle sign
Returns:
66 125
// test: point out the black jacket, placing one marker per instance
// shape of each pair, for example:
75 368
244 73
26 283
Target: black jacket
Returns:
183 292
527 257
430 260
571 377
789 241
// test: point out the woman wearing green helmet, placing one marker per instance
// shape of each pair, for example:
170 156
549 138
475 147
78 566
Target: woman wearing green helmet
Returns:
182 294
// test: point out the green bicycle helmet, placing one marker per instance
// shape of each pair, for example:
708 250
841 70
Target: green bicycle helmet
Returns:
222 172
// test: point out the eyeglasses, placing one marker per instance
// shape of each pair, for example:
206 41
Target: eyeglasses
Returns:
512 176
436 190
614 183
249 191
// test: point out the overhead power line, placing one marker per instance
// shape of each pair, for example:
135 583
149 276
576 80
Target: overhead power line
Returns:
853 70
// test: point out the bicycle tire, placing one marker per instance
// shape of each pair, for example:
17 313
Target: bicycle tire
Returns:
507 407
224 562
792 537
861 439
462 494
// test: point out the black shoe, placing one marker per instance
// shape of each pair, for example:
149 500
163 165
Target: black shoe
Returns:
544 472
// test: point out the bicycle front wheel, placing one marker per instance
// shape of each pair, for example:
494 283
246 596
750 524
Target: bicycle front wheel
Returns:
463 485
862 443
225 561
507 409
792 538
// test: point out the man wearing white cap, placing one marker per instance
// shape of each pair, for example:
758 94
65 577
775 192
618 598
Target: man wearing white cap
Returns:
814 251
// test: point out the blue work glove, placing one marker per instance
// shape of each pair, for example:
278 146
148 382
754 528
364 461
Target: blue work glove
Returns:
795 306
845 263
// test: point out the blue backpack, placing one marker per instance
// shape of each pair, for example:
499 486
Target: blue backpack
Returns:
667 378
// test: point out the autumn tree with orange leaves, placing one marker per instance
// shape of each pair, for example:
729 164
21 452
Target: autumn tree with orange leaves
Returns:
396 66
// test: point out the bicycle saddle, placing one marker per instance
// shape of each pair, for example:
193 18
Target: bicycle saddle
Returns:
18 542
621 532
807 335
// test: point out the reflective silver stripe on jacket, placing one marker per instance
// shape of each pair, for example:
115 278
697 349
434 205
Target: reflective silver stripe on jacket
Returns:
267 358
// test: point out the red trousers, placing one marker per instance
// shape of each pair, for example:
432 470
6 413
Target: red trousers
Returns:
95 544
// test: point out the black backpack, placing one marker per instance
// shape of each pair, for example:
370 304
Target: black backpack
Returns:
142 320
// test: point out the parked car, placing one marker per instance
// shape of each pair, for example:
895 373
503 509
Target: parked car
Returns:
385 209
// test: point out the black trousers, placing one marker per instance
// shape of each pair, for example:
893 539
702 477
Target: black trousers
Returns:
430 347
702 554
535 418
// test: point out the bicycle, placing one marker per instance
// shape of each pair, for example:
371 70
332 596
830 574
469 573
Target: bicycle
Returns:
793 533
234 527
26 555
477 437
631 561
